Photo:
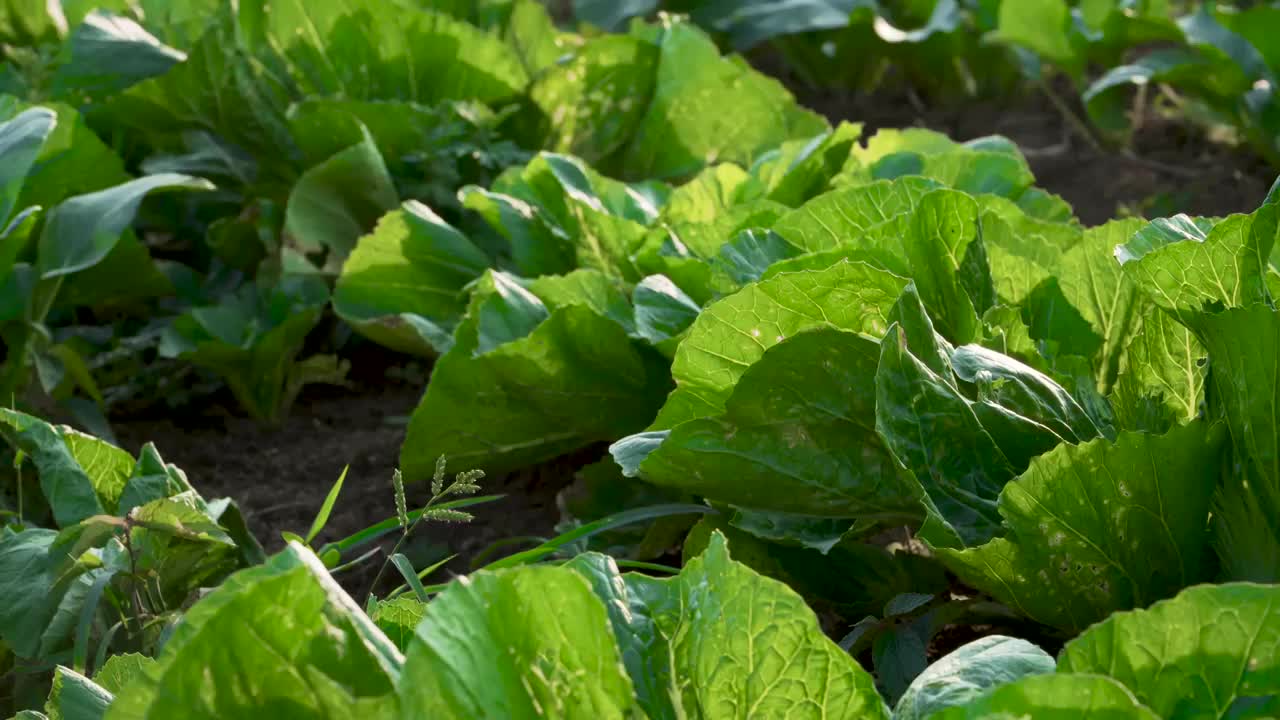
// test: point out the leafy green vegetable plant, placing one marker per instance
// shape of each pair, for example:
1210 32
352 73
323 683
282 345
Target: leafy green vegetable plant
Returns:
252 340
107 552
71 255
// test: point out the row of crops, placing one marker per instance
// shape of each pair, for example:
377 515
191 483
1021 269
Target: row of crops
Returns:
875 426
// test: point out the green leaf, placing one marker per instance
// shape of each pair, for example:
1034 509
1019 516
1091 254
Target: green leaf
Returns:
80 475
609 14
663 312
808 171
542 385
120 670
1108 104
76 697
1024 410
20 141
522 643
1082 524
404 285
106 54
82 231
1211 652
685 127
678 635
967 673
1162 376
750 255
410 575
591 104
1043 26
899 654
73 161
283 636
398 617
1105 296
1241 344
362 49
731 335
932 428
796 435
1185 266
539 246
864 216
181 517
1054 697
221 88
43 588
589 288
857 579
336 202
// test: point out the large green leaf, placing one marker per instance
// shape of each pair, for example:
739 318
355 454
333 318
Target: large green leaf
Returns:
80 475
1044 27
220 88
972 670
82 231
796 435
1162 376
1083 523
20 141
933 430
43 587
1211 652
76 697
930 235
731 335
523 643
1242 345
106 54
862 216
1054 697
524 382
403 285
336 202
1185 265
72 161
804 168
686 125
592 103
1094 284
281 639
720 641
559 213
367 49
1194 268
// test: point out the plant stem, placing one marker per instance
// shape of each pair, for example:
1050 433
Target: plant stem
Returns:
1073 120
404 536
133 579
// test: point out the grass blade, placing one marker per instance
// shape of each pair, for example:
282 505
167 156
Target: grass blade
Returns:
374 532
326 509
410 575
604 524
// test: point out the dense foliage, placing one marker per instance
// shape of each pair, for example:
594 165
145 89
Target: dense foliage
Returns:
872 386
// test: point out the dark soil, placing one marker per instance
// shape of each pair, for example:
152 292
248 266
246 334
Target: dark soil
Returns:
280 476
